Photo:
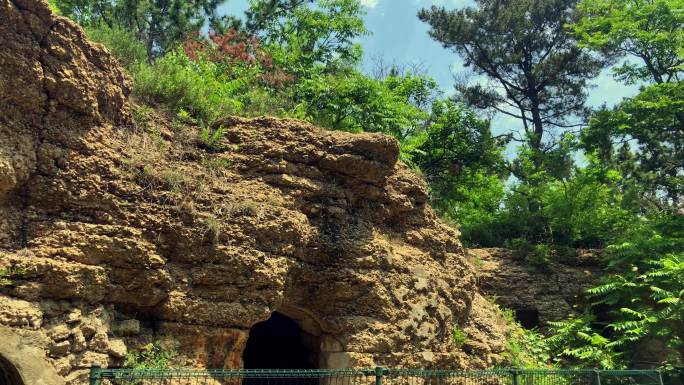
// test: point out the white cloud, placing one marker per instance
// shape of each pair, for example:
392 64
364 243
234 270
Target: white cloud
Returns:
369 3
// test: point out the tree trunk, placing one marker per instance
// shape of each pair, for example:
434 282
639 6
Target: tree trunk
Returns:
535 141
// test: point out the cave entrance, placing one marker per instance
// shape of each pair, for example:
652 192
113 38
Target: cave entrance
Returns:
528 318
280 343
8 373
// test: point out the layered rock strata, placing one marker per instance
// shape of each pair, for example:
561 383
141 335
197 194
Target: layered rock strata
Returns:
116 233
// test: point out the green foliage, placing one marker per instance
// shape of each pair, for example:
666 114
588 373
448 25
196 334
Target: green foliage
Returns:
473 204
120 42
538 73
644 299
653 122
576 343
151 356
7 273
159 25
455 143
460 337
142 116
357 103
524 348
647 292
527 349
462 162
211 139
586 209
54 7
201 88
303 35
259 101
537 256
650 30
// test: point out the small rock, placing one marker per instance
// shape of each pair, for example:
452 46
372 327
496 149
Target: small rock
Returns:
59 349
15 312
77 377
129 327
89 329
59 332
88 359
79 343
74 316
63 365
99 343
117 348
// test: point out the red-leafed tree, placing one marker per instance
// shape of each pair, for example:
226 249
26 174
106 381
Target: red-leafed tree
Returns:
236 50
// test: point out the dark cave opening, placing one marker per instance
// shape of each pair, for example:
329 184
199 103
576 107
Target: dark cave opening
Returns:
9 374
528 318
279 343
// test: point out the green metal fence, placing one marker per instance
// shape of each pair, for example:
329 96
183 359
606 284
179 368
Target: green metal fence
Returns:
376 376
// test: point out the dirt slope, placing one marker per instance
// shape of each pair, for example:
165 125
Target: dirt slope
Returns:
119 233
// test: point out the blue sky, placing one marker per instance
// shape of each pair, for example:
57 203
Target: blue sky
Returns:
398 36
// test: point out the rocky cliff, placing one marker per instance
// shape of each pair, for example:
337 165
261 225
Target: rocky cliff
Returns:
536 295
116 232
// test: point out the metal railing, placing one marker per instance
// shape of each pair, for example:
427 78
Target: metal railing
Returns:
375 376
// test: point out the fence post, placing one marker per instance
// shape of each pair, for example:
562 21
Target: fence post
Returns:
660 377
95 374
597 377
516 374
378 375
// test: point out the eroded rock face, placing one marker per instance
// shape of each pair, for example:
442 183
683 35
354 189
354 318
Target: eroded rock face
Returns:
119 235
536 295
51 72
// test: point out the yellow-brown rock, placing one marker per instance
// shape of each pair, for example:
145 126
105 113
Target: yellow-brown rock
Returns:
106 225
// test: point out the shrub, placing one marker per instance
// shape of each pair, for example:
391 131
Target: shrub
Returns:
587 210
524 348
565 254
539 257
259 101
7 273
576 343
213 227
121 43
211 139
200 88
534 255
460 337
358 103
242 207
520 247
527 349
151 356
237 52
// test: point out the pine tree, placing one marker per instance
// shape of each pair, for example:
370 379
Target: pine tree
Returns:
159 24
536 71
